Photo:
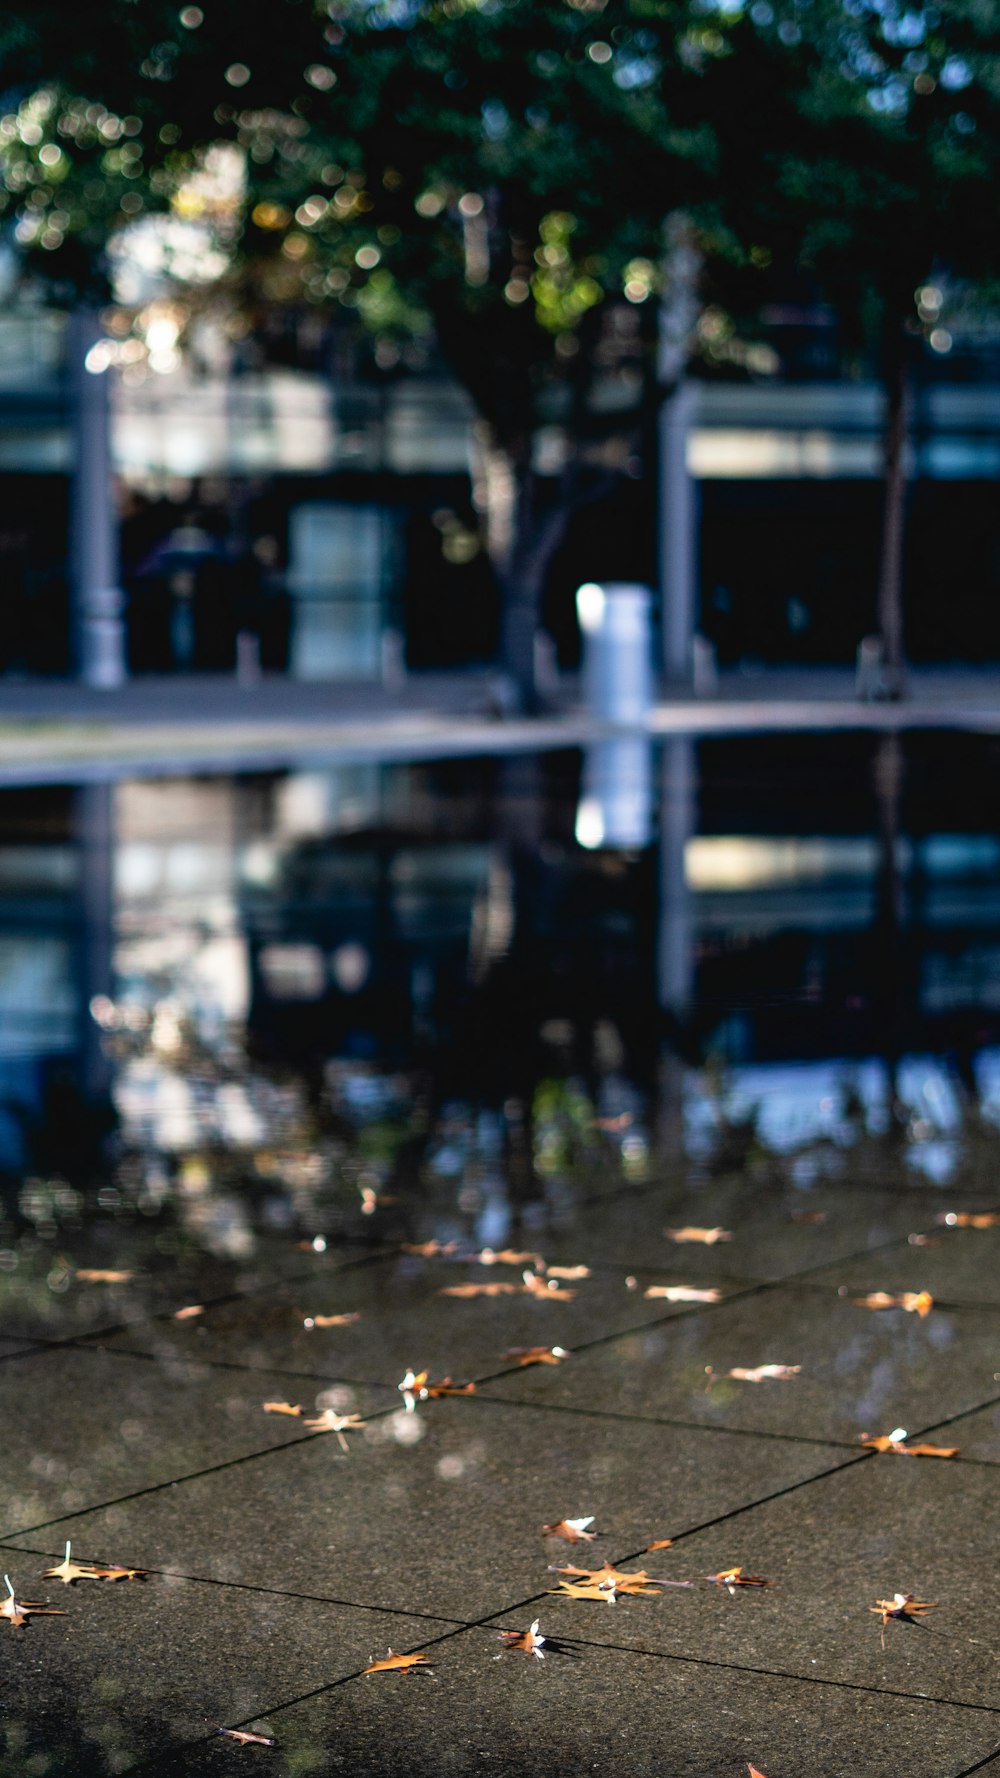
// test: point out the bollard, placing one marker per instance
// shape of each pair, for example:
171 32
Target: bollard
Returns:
617 650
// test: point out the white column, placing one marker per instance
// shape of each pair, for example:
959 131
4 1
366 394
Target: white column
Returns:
98 602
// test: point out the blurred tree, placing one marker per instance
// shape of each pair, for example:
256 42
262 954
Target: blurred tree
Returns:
859 144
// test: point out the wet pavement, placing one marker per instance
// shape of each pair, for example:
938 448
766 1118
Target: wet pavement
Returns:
280 1561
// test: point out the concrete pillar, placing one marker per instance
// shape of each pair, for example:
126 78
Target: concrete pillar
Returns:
98 602
678 534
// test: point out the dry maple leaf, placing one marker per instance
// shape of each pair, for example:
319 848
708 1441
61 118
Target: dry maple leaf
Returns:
708 1237
902 1606
394 1663
896 1441
526 1355
118 1571
969 1219
69 1571
283 1407
245 1738
471 1290
190 1313
535 1285
567 1273
731 1578
328 1421
416 1387
529 1641
683 1293
660 1543
573 1530
915 1302
347 1320
619 1580
759 1373
508 1256
17 1611
754 1771
91 1275
446 1387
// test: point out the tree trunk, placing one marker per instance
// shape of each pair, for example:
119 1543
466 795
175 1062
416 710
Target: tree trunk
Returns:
896 431
520 540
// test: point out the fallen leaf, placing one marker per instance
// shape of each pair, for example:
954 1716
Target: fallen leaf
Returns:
896 1441
90 1275
683 1293
189 1314
708 1237
918 1302
470 1290
347 1320
118 1571
924 1240
69 1571
754 1771
760 1373
538 1286
446 1387
283 1407
328 1421
813 1216
660 1543
431 1249
527 1640
567 1273
415 1387
731 1578
526 1355
902 1606
969 1219
573 1530
508 1256
570 1589
246 1739
17 1611
619 1579
397 1663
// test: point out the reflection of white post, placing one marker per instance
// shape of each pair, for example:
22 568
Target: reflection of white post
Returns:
615 807
677 813
617 651
678 542
94 832
97 596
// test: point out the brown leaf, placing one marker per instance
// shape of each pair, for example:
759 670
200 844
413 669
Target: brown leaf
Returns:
508 1256
924 1240
969 1219
708 1237
17 1611
760 1373
416 1387
812 1216
683 1293
90 1275
571 1589
118 1571
69 1571
600 1582
660 1543
431 1249
896 1441
902 1606
328 1421
573 1530
471 1290
731 1578
526 1355
537 1286
529 1641
568 1273
347 1320
446 1387
918 1302
754 1771
283 1407
398 1663
246 1739
190 1313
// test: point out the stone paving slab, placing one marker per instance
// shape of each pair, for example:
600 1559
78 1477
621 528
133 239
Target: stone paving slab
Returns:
599 1710
442 1511
82 1427
50 1297
403 1322
976 1435
138 1665
959 1265
862 1371
881 1526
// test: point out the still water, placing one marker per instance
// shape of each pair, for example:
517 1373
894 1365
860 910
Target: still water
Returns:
288 1003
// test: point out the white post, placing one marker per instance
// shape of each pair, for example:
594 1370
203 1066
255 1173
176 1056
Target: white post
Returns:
94 572
677 819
